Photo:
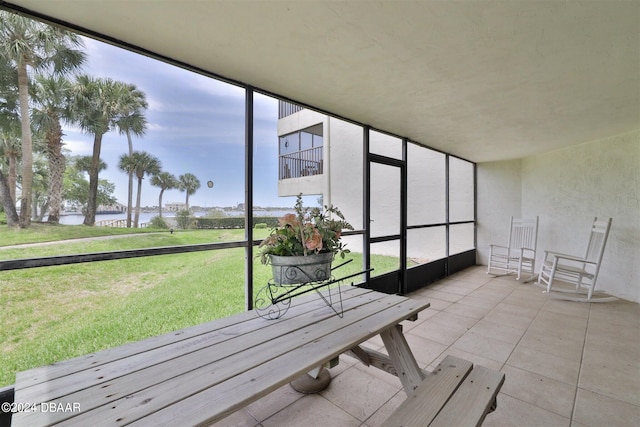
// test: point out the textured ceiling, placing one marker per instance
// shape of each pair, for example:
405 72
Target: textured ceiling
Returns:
484 80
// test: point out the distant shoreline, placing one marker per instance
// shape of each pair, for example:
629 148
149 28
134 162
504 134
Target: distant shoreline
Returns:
69 218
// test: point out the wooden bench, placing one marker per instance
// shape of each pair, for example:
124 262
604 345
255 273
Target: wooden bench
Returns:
455 394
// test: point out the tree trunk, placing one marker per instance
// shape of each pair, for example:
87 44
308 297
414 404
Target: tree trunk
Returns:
92 203
12 177
7 202
27 149
34 205
56 172
130 194
43 210
137 217
160 203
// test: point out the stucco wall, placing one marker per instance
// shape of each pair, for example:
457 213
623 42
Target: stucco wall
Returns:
499 187
569 187
566 189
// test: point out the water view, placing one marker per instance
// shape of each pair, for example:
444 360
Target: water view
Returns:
145 217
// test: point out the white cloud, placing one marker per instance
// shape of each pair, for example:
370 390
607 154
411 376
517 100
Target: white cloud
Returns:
154 103
78 147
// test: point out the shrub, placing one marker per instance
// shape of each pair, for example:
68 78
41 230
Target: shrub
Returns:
233 222
223 222
158 222
184 219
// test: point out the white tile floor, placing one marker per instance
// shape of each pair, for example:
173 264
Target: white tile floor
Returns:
566 363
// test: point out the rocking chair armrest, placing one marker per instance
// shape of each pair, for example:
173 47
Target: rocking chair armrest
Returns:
556 254
568 257
492 246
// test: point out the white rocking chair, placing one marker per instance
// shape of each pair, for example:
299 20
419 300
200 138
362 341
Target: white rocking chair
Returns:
574 270
520 253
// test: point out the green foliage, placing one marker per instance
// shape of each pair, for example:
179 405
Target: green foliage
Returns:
265 221
224 222
158 222
76 185
188 183
184 219
215 213
308 231
231 222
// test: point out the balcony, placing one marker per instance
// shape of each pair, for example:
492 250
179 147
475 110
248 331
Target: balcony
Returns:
566 363
301 163
287 108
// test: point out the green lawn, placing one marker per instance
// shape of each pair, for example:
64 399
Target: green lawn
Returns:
55 313
39 232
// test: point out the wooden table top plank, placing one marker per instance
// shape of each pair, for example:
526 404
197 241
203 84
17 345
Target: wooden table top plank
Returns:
58 387
70 366
91 361
185 357
131 383
226 371
214 403
93 391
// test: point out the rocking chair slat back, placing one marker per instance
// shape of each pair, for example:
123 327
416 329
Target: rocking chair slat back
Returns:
520 253
523 233
597 239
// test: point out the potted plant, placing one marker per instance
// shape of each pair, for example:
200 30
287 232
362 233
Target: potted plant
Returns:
300 249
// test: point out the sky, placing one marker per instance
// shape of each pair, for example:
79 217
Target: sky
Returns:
195 124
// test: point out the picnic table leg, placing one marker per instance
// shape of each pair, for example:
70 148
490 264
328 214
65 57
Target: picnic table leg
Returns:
312 382
315 380
402 358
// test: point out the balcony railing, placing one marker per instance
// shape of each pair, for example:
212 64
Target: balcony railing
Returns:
301 163
286 109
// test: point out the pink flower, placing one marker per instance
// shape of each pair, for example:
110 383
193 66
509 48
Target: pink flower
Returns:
288 219
314 242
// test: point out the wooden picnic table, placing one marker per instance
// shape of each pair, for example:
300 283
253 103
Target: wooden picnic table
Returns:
203 373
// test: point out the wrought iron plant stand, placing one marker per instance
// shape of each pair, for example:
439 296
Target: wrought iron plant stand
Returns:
274 299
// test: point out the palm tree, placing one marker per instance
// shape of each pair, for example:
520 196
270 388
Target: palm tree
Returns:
83 164
31 44
10 149
40 201
140 163
99 104
76 186
127 164
132 121
165 181
190 184
53 102
7 203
